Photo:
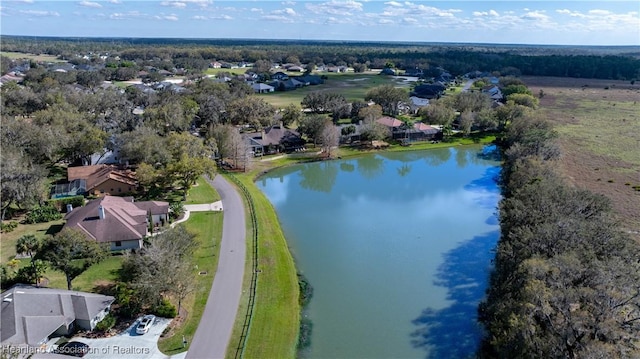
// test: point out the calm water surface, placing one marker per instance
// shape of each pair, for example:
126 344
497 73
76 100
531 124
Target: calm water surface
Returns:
397 247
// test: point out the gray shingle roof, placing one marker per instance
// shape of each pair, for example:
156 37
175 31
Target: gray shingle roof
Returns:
30 314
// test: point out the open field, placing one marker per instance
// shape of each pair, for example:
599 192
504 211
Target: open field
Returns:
34 57
352 86
599 126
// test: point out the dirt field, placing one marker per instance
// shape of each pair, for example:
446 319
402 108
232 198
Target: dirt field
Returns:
599 126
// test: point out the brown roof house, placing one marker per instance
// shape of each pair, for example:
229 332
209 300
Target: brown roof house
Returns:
104 179
30 315
119 221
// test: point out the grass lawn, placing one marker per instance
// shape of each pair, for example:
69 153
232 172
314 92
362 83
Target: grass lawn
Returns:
208 228
201 193
276 315
8 240
98 278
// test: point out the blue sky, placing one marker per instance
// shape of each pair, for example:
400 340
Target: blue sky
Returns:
516 22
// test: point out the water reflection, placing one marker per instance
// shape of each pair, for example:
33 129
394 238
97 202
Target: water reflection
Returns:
451 332
438 157
370 166
319 176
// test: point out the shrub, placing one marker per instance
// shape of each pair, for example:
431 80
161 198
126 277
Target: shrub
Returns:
107 323
43 214
165 309
9 226
61 203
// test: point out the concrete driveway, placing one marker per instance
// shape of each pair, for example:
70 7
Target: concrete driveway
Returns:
128 344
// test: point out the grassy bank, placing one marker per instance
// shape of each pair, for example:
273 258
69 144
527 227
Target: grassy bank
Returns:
274 326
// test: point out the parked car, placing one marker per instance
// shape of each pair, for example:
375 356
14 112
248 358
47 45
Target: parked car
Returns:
76 349
145 323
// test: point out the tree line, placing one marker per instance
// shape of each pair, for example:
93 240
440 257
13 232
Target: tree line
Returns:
565 282
582 62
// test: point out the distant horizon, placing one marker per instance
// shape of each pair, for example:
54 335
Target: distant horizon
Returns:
274 40
555 23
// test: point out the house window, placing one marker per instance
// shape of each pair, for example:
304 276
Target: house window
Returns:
119 190
118 243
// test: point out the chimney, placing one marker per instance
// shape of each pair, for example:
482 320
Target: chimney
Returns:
101 212
69 207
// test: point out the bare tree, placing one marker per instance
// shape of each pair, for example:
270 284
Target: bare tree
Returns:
330 137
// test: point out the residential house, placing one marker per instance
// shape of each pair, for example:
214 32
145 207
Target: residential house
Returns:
262 88
493 91
429 91
310 79
422 132
274 139
396 127
104 180
119 221
215 65
30 315
388 71
280 76
416 103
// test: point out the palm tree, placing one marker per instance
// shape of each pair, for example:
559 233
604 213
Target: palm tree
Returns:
27 244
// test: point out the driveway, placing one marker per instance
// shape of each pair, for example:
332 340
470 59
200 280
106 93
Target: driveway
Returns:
128 344
216 325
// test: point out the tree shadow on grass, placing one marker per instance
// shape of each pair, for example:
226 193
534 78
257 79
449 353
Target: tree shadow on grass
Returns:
454 332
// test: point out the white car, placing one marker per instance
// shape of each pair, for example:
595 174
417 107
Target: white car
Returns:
145 323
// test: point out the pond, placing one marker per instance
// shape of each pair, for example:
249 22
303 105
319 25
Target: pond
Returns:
397 247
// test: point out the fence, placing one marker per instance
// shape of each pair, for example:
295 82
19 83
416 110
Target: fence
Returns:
254 266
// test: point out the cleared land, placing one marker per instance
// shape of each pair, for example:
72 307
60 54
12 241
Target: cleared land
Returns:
34 57
599 126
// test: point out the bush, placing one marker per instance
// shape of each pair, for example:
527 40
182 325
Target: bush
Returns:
61 203
43 214
165 309
9 226
107 323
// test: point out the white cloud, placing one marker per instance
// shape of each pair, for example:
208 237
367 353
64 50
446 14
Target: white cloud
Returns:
288 3
333 7
89 4
39 13
486 13
255 9
127 15
287 11
385 21
176 4
171 17
199 17
393 3
410 21
115 1
222 17
536 15
279 18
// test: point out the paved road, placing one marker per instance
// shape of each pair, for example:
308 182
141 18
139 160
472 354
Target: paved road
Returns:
214 331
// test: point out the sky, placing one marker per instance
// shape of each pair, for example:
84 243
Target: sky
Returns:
541 22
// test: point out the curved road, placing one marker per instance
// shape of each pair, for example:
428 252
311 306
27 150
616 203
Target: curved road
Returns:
215 328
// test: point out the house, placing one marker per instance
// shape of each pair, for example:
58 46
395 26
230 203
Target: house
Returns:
396 127
493 91
295 68
30 315
429 91
416 103
274 139
104 180
119 221
280 76
422 132
310 79
388 71
262 88
215 65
